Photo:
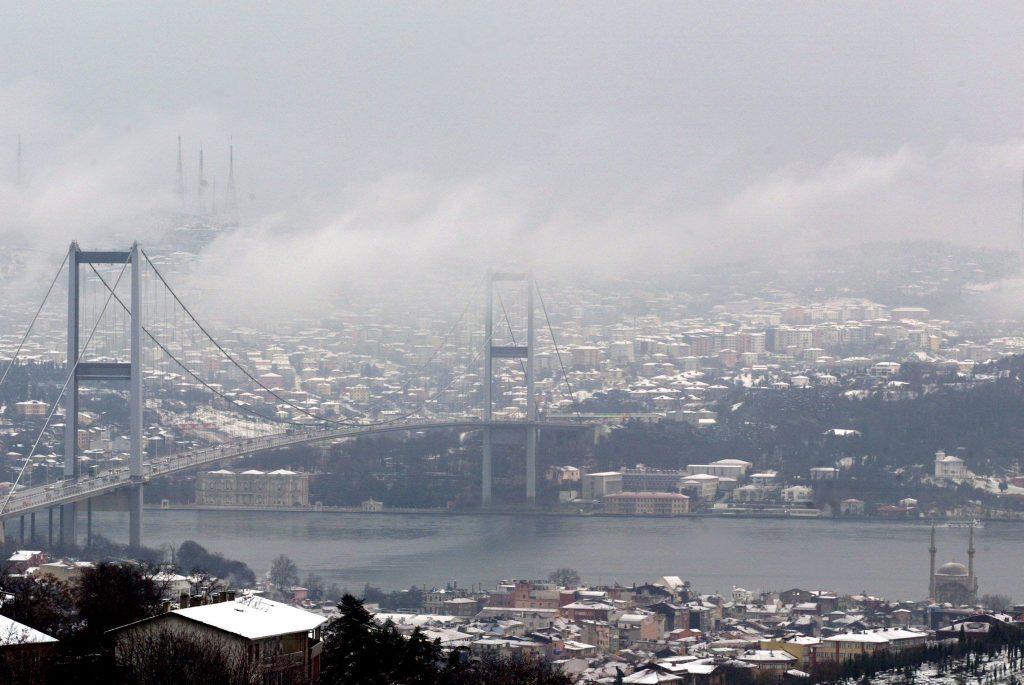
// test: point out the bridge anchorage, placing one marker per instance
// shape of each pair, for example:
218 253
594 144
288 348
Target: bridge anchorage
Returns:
80 486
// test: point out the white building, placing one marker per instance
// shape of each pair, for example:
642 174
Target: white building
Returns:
283 642
700 485
824 473
226 488
948 467
797 494
728 468
598 485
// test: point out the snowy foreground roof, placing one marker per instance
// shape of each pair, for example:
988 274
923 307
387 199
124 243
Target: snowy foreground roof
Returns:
253 617
14 633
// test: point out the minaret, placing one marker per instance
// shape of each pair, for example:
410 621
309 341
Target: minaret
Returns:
181 177
972 583
201 187
231 197
931 572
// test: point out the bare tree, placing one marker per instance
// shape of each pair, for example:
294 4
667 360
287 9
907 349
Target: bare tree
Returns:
23 660
565 577
283 573
168 657
996 602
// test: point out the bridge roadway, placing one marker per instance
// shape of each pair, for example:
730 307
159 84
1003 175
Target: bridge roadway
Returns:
55 494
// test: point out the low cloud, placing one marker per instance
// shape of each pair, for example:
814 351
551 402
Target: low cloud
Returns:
407 226
301 244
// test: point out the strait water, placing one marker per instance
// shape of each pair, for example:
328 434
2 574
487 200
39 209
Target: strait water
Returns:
399 550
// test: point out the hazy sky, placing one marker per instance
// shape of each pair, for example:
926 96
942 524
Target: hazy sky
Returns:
616 136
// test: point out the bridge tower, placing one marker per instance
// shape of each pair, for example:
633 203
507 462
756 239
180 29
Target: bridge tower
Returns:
130 373
514 351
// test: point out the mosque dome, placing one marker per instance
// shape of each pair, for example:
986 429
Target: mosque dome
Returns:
953 569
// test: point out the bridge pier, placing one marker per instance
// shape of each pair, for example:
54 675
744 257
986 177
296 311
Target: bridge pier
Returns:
68 514
485 485
49 538
531 465
32 527
135 515
88 523
21 531
3 536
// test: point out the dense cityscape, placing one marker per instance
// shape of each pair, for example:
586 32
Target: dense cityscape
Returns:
641 380
511 343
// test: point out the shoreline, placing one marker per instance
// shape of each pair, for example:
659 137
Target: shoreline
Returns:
568 514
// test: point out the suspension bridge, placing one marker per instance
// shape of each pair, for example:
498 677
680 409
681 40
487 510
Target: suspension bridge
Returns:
122 351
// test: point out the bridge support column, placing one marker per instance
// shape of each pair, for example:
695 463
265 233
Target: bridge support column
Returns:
3 535
485 485
49 537
485 469
68 527
135 516
21 532
531 466
135 468
531 403
88 522
32 527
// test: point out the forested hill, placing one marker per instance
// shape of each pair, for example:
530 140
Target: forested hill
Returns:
788 429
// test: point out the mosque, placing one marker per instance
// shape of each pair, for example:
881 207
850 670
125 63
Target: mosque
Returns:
953 582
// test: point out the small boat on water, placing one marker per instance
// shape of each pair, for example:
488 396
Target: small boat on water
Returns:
965 523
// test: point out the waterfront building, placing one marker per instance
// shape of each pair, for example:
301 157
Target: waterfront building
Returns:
225 488
561 475
643 479
647 503
701 485
598 485
372 505
730 468
851 507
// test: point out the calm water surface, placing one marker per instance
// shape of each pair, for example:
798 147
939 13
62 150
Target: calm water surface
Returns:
398 550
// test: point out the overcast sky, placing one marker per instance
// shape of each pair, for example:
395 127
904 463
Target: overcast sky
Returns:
595 136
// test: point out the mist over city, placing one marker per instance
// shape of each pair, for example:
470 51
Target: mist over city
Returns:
552 343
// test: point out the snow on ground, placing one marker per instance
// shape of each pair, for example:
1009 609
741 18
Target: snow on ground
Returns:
996 671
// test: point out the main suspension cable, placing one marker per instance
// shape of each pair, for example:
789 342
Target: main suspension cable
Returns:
232 359
192 373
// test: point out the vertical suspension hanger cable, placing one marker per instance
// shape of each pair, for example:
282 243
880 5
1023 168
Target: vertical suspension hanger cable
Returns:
554 341
73 368
32 323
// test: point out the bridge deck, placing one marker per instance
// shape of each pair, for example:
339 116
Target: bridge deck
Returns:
65 492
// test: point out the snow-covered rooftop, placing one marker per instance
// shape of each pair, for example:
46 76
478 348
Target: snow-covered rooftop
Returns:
253 617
